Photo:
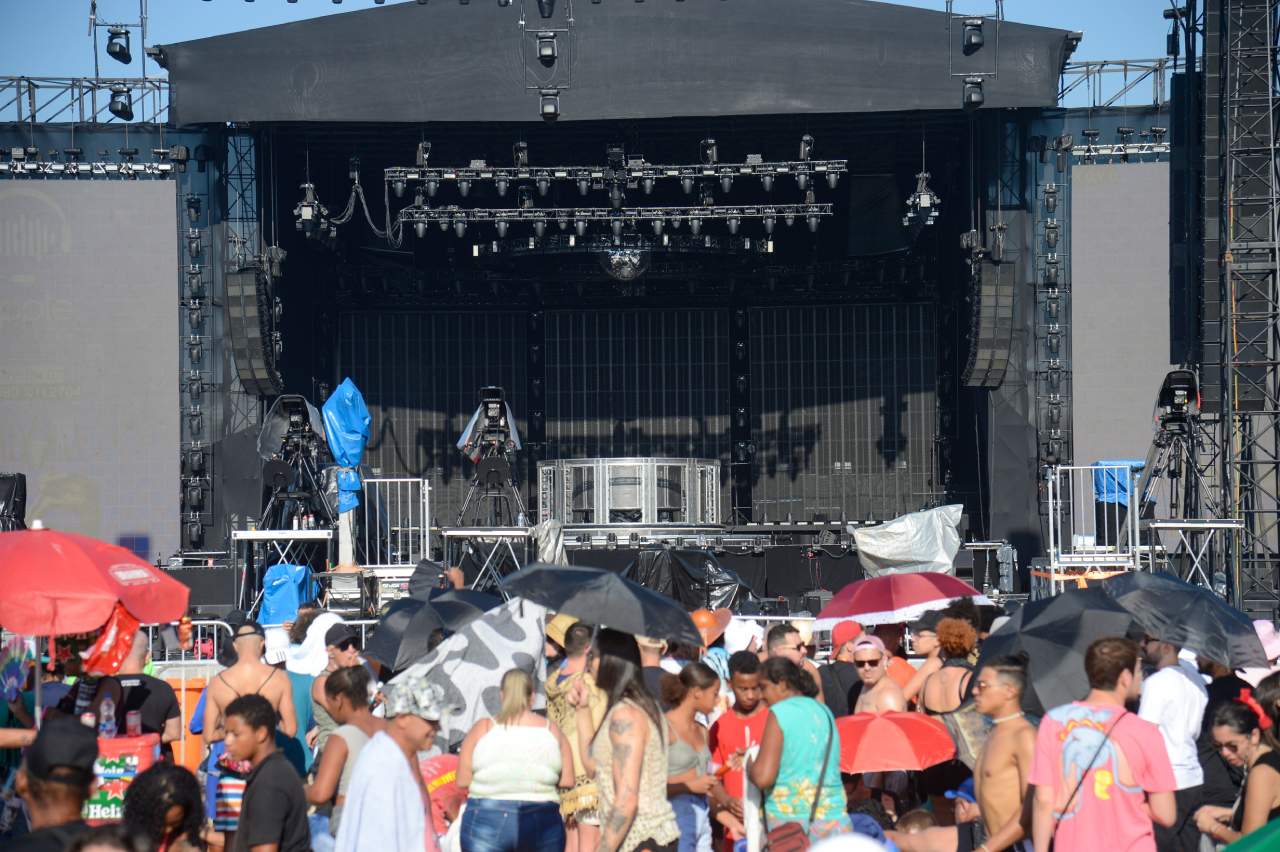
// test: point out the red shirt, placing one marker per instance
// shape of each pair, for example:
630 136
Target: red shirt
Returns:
732 732
440 775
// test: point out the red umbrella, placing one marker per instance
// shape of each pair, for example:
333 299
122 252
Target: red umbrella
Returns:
894 598
885 742
56 583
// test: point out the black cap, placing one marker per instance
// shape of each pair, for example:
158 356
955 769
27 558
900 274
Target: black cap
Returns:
247 628
63 743
338 634
928 621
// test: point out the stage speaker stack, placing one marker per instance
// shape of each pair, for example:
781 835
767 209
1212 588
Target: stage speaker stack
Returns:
13 502
251 317
991 334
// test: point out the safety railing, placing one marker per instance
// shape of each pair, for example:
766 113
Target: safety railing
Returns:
1089 524
397 523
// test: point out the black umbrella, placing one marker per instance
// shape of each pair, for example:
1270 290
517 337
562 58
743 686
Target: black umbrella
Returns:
401 635
459 607
604 599
1054 634
426 579
1190 616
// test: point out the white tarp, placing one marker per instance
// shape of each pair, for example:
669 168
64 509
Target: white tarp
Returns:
920 541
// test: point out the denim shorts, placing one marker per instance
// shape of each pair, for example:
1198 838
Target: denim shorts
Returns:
500 825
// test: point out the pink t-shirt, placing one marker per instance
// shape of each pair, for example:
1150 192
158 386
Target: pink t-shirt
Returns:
1110 807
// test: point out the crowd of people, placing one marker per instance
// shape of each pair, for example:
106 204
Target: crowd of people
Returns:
630 743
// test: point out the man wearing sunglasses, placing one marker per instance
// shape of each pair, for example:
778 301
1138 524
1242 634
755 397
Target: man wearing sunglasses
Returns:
879 693
784 640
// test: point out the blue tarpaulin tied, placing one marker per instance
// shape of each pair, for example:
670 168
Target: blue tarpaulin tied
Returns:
1110 485
346 426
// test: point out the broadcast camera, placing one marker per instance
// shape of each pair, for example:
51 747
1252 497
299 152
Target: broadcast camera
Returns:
1178 401
492 429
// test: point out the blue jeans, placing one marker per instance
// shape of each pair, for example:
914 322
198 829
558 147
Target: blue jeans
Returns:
498 825
694 820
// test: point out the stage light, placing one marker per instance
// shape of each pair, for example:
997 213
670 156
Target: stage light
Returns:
1051 272
616 198
686 183
580 227
193 243
549 102
444 224
695 226
501 185
540 227
726 182
460 227
546 8
501 227
657 227
121 104
922 206
1051 234
813 220
433 186
616 225
547 49
833 180
464 188
584 185
544 183
973 96
563 224
193 201
972 39
397 186
420 228
770 220
802 180
423 154
806 147
648 182
710 152
766 183
118 45
734 222
1050 199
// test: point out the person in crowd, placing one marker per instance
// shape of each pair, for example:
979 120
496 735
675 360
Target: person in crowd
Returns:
900 670
1270 639
297 749
1242 731
1221 779
732 734
965 836
711 626
133 691
689 779
784 640
387 801
109 838
511 766
556 635
163 804
343 650
578 804
914 822
347 696
798 767
880 693
273 812
54 781
945 689
651 652
53 688
1267 694
1099 770
628 754
247 675
1004 763
924 642
1174 699
840 682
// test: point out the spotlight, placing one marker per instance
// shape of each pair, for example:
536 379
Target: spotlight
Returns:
770 219
1051 234
973 97
460 227
420 228
972 40
549 99
1051 272
584 185
433 186
193 243
544 183
501 185
1050 199
695 226
922 206
813 220
789 219
424 153
547 49
657 227
546 8
193 204
710 153
734 222
647 185
121 104
616 225
686 183
806 147
397 186
766 183
833 180
501 226
118 45
520 154
616 198
464 188
726 182
540 228
580 227
802 180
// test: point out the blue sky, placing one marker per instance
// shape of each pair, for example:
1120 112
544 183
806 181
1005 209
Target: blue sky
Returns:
48 38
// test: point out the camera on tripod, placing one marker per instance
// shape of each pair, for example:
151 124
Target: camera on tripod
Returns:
1178 401
492 430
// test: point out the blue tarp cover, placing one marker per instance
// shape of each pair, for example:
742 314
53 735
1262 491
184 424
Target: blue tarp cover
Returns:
284 587
346 426
1110 485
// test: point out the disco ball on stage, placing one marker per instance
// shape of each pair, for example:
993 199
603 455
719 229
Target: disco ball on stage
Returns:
624 264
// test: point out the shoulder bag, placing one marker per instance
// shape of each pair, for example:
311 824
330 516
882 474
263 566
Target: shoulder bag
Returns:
794 836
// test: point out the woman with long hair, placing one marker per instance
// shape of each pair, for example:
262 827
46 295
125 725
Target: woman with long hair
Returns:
799 738
628 754
695 690
511 766
346 692
1242 732
163 804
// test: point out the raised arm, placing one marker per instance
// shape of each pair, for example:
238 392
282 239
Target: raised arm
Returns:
628 733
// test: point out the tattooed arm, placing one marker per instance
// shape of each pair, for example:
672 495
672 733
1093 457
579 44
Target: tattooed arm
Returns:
628 732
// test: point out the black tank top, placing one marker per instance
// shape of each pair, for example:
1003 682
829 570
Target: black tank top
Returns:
950 663
1271 760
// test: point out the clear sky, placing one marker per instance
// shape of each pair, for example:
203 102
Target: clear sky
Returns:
48 38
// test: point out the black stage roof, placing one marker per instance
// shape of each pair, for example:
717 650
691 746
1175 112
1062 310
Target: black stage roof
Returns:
450 62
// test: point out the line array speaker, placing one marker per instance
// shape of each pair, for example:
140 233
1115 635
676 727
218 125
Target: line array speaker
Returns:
991 334
251 318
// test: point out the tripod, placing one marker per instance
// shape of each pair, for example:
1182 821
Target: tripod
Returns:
493 483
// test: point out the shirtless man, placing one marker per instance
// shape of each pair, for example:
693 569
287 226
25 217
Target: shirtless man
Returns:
879 693
1000 776
248 676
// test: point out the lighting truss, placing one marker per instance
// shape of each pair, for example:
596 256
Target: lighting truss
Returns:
633 173
564 217
1117 151
32 169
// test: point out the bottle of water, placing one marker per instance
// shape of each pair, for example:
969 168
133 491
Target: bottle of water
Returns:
107 719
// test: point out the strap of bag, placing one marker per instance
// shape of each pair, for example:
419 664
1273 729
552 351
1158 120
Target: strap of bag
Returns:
822 775
1080 783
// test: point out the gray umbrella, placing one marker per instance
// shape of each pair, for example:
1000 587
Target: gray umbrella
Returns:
604 599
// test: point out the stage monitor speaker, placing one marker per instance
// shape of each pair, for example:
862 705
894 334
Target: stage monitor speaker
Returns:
991 333
13 502
213 590
251 318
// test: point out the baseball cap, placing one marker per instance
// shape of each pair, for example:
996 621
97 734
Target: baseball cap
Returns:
928 621
866 641
412 695
964 791
63 743
845 631
338 634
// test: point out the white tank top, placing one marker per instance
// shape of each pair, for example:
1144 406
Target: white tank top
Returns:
518 763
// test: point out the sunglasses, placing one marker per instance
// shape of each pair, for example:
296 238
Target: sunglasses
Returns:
868 664
347 645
